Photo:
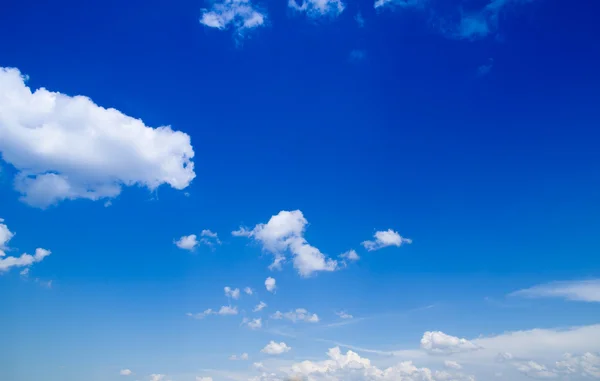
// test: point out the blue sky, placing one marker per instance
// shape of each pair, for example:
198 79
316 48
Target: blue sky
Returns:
460 138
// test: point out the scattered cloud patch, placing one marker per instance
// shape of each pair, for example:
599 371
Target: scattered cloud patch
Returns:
274 348
198 378
384 239
243 356
209 238
441 343
299 314
248 291
253 323
360 20
357 55
201 315
317 8
260 306
270 284
187 242
350 255
125 372
484 70
232 293
284 233
239 15
582 291
228 310
67 147
24 260
344 315
403 4
452 365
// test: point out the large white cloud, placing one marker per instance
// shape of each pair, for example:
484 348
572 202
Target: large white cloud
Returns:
240 15
284 232
24 260
67 147
583 290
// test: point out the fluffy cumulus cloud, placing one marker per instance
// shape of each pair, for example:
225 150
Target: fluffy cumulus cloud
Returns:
232 293
187 242
441 343
240 15
385 238
67 147
297 315
270 284
584 291
284 233
274 348
24 260
125 372
318 8
228 310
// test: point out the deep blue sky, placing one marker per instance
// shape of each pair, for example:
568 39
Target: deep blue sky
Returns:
495 177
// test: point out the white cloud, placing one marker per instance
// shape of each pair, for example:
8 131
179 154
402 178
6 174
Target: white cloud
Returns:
67 147
300 314
452 365
260 306
198 378
441 343
201 315
243 356
157 377
232 293
359 20
241 15
125 372
187 242
350 255
270 284
481 23
583 290
405 4
317 8
255 323
274 348
384 239
248 291
24 260
344 315
209 238
228 310
285 233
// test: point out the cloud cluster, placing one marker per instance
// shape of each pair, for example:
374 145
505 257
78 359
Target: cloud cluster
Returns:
240 15
224 310
24 260
67 147
283 233
232 293
317 8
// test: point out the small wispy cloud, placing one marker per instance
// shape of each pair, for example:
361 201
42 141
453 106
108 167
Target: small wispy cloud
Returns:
385 238
318 8
485 69
582 290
